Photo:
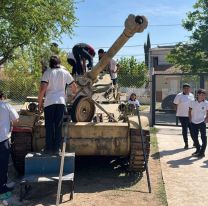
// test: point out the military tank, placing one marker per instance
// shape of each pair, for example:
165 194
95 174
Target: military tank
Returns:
94 128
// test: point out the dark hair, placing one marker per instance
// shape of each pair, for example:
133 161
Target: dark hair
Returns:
54 61
201 91
101 51
1 94
54 44
132 94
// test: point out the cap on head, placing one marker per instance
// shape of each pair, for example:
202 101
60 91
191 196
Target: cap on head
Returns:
186 85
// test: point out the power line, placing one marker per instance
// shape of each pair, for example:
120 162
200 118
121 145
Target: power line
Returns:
136 45
114 26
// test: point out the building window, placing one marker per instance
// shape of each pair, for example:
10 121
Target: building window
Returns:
155 61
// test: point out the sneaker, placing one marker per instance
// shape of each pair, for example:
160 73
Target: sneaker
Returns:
46 151
11 185
201 155
57 152
195 153
186 146
5 196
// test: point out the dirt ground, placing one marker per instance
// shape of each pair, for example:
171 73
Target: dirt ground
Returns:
102 182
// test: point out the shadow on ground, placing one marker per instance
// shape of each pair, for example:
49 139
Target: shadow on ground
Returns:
163 153
93 174
184 161
205 164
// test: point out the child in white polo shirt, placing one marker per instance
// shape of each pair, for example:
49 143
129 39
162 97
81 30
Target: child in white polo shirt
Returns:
198 115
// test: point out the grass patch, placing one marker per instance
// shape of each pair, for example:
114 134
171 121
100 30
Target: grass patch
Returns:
161 193
153 139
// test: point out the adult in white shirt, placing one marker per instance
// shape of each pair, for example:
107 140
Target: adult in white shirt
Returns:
8 116
198 115
182 101
53 84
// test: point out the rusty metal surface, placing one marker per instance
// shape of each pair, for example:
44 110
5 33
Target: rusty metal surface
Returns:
91 138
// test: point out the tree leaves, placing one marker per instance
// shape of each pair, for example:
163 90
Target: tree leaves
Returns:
30 22
193 57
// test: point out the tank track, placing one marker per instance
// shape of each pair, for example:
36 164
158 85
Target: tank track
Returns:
136 160
21 144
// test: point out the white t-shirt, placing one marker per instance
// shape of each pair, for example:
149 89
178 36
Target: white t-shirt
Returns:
113 69
7 114
198 112
57 79
135 102
182 102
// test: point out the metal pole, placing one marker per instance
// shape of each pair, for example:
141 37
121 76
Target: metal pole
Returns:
153 91
61 165
144 151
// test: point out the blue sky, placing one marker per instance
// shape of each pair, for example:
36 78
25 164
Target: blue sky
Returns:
114 13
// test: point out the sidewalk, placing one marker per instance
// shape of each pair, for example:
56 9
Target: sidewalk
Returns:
185 177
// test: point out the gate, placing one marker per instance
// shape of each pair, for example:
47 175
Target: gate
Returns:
164 89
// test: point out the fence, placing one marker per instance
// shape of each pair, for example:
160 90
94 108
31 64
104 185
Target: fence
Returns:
17 88
164 89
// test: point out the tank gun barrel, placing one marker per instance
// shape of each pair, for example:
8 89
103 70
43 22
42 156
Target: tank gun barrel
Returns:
133 24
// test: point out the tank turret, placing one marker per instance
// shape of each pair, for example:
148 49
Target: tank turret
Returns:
83 107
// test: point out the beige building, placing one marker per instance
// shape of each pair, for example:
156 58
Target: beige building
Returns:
165 84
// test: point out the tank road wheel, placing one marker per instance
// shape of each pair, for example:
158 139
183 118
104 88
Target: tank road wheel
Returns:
136 161
83 109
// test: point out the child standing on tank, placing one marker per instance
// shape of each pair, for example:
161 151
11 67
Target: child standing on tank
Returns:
198 116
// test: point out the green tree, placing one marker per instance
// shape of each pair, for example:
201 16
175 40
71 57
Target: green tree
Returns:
193 56
33 22
131 72
24 71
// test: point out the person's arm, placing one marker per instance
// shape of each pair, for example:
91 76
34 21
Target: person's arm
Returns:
175 106
190 117
73 88
41 94
13 115
176 102
206 118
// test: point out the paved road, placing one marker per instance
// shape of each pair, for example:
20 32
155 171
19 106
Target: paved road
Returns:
185 177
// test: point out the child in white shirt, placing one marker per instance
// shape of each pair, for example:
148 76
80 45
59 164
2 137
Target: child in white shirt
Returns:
198 116
133 100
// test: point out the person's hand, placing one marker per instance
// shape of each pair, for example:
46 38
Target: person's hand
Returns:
40 107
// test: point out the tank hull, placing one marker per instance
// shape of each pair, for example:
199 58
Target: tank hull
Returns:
90 139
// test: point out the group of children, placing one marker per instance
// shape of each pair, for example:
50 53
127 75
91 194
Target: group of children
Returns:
193 114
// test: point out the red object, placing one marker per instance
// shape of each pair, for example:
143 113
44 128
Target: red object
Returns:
22 129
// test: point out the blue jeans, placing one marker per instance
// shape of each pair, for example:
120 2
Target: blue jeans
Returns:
54 115
202 128
4 162
185 125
